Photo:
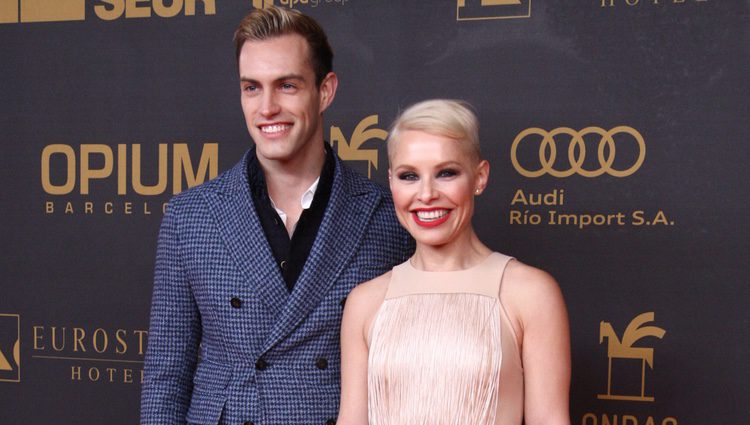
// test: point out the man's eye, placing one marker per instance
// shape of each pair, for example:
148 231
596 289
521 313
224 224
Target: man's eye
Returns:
448 172
250 88
288 86
408 175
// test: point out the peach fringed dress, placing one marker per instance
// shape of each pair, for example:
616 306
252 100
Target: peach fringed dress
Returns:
442 351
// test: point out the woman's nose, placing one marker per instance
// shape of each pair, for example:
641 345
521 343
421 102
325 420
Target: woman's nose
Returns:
427 191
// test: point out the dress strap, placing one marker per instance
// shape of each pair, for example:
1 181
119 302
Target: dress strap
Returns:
397 275
497 264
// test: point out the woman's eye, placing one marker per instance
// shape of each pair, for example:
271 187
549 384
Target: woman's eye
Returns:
447 173
407 175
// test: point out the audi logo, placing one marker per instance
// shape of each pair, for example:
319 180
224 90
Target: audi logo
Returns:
606 152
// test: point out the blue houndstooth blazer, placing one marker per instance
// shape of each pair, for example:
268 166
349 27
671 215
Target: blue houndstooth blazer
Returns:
228 344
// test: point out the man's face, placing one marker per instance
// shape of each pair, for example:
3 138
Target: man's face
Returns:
281 103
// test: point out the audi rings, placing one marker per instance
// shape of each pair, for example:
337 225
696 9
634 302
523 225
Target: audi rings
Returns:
577 152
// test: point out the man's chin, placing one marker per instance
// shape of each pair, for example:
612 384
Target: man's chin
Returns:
272 153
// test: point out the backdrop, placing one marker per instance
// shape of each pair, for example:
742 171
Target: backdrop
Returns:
617 131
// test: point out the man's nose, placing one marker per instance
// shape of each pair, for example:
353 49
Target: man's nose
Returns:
269 104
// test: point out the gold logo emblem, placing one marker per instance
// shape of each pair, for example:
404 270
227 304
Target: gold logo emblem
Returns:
42 10
10 348
577 151
14 11
624 349
473 10
262 4
351 151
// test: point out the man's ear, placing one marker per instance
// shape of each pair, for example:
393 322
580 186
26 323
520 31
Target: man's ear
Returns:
327 90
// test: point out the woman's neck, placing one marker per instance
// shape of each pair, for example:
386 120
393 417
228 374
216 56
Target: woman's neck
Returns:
459 254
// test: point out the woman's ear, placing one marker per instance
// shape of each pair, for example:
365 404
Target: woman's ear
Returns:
481 176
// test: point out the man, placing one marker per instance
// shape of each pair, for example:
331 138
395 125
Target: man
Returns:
253 268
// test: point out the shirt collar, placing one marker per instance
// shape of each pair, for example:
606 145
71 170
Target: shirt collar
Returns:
257 181
305 201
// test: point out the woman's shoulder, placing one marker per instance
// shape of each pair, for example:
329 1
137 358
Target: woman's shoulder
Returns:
372 291
527 291
363 303
527 280
364 300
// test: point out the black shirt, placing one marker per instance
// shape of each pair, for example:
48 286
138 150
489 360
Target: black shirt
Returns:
291 254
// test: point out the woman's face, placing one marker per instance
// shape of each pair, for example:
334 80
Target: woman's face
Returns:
433 180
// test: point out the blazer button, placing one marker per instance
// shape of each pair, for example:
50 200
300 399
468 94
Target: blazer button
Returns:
236 302
321 363
283 264
261 364
330 422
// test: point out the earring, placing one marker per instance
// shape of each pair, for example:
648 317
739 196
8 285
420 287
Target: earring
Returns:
478 191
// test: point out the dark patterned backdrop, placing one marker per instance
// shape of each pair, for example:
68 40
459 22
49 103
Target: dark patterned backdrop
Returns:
617 131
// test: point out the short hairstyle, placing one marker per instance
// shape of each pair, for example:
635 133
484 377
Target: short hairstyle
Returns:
262 24
449 118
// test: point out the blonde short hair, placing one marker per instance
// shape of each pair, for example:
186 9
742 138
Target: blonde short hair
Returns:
449 118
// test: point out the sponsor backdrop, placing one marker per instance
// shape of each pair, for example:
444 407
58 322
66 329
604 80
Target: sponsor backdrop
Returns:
617 131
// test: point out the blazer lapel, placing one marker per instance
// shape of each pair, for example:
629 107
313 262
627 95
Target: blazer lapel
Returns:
243 235
349 209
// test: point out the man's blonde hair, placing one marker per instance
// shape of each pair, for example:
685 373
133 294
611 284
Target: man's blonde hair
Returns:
263 24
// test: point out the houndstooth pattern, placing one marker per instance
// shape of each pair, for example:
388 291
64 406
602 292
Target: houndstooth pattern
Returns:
202 351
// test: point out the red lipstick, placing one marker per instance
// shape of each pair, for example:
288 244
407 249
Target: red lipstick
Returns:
431 223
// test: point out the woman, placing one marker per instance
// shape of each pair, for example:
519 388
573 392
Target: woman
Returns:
457 334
